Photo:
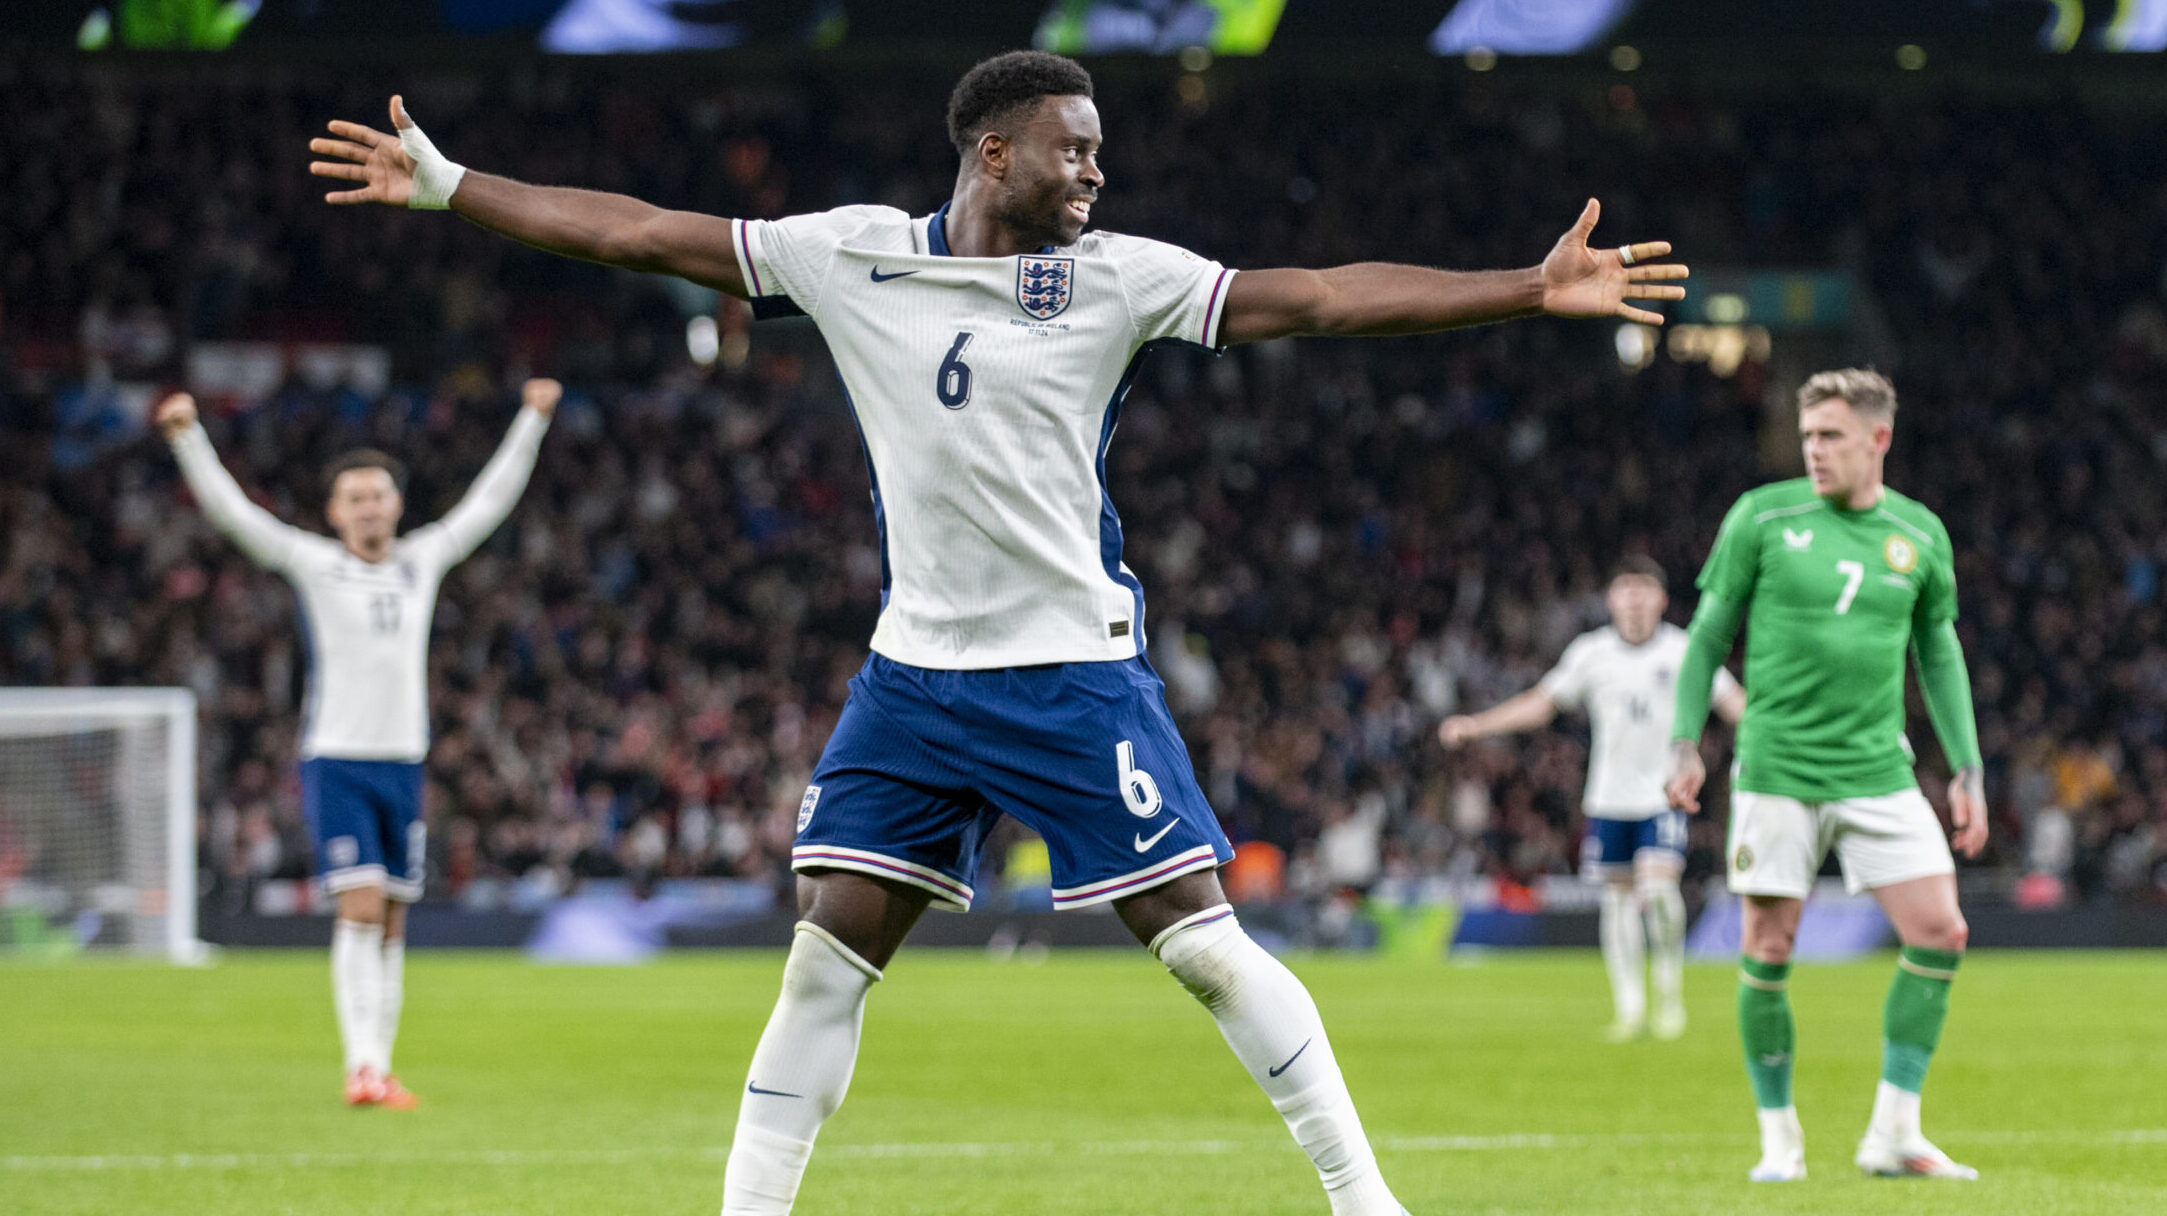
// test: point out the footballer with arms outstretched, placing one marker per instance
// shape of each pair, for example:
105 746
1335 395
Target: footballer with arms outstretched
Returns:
366 602
1837 578
985 349
1624 676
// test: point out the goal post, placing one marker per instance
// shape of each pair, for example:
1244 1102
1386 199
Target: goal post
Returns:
98 821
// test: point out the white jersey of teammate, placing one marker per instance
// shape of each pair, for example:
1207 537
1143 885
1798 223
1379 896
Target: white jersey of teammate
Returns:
1627 692
367 622
986 390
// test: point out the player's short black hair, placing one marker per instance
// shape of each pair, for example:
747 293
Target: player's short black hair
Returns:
1640 565
999 88
364 458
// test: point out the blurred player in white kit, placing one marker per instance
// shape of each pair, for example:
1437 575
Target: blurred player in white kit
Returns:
1622 676
367 599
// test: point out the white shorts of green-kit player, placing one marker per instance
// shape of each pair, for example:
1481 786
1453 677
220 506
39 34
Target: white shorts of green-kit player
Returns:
1777 843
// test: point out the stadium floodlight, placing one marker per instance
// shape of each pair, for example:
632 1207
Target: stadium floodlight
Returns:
98 820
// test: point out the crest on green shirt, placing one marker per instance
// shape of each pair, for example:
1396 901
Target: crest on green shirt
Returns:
1901 555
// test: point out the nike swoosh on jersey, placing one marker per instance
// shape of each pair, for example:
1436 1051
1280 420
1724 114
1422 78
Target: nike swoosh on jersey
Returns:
900 274
1143 845
1291 1059
751 1088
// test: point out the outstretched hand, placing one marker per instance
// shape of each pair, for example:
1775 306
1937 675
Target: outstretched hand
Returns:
174 414
1581 282
370 157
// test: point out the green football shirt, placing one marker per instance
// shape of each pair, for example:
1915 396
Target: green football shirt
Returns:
1833 598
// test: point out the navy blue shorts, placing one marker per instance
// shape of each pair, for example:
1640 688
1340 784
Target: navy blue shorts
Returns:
365 818
923 762
1612 845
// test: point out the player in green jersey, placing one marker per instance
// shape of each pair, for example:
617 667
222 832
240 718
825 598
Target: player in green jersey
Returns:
1837 577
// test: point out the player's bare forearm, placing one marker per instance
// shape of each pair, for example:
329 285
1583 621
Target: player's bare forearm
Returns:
1374 299
1530 710
1378 299
403 168
613 229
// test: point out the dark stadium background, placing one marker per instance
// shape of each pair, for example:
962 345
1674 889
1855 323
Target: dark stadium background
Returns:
1341 542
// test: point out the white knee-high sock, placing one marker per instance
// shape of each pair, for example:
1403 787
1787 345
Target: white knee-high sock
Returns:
1664 905
799 1074
393 997
357 989
1273 1027
1622 951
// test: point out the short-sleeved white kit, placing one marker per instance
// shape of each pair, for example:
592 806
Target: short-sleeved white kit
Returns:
1627 691
987 391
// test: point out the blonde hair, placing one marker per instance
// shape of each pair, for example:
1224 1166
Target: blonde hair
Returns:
1868 391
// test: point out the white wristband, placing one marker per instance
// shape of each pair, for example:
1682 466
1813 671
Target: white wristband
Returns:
434 177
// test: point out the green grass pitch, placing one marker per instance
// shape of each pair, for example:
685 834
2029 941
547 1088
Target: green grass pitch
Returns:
1089 1084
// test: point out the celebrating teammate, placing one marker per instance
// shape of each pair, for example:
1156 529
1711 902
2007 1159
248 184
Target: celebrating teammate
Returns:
1837 577
1623 676
986 349
367 599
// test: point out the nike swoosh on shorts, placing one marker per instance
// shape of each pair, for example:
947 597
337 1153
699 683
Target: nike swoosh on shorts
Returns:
1144 846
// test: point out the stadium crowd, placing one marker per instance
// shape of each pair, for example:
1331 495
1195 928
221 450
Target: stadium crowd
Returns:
1341 542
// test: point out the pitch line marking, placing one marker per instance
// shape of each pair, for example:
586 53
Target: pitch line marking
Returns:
1531 1141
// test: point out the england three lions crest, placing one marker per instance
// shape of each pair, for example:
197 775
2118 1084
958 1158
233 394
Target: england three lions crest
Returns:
1044 285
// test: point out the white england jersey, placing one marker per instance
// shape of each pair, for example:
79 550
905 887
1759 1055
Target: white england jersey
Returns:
1627 691
367 623
986 391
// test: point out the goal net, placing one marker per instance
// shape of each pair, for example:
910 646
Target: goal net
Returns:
98 820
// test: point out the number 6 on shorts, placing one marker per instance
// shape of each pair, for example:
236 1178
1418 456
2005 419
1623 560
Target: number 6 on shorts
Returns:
1138 790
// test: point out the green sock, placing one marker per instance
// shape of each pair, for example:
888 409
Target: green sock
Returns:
1764 1023
1911 1021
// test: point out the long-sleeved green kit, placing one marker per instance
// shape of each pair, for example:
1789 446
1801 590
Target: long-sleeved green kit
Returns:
1832 600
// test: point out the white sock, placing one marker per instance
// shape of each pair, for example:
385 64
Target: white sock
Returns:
1896 1114
357 988
1780 1133
1622 950
393 992
1273 1027
1664 908
799 1074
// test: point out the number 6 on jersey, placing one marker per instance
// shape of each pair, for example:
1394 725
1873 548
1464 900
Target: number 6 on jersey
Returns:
953 384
